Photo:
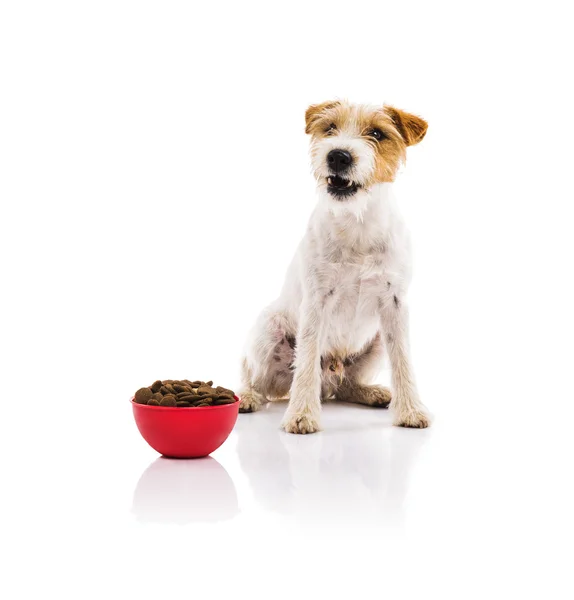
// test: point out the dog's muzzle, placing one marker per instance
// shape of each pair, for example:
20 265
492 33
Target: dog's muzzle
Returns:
339 163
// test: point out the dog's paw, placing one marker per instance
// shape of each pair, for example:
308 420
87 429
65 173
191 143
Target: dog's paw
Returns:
415 418
300 423
377 395
249 401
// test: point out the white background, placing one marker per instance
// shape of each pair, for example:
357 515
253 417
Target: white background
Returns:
154 182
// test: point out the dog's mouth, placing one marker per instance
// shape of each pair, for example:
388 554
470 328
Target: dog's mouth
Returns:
341 188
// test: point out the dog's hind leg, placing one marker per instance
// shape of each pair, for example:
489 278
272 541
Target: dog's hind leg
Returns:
360 370
266 370
250 400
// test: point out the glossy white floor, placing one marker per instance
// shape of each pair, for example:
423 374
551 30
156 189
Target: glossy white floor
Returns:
473 507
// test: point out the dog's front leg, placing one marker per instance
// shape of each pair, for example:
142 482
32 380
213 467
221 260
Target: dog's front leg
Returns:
409 411
304 410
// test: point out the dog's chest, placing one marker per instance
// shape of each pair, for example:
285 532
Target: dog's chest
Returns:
347 269
352 290
347 285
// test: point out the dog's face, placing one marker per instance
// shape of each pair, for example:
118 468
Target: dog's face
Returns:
354 146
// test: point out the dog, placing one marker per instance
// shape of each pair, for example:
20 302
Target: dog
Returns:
343 302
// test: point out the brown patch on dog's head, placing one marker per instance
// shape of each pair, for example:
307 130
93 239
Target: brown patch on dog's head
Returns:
314 113
411 127
400 129
376 137
389 151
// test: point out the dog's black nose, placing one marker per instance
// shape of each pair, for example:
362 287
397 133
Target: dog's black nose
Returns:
339 160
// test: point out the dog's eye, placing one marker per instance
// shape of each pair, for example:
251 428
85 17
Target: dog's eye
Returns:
331 129
377 134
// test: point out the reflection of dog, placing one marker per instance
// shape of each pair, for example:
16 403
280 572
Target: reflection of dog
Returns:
345 291
360 462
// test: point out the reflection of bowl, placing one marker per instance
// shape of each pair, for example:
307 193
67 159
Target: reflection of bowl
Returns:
185 432
182 491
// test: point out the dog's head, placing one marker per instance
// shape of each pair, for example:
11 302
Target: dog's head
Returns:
355 147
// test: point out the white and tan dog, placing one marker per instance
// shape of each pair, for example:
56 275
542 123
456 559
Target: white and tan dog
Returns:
344 297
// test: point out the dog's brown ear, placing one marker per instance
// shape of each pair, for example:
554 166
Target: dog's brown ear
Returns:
314 112
411 127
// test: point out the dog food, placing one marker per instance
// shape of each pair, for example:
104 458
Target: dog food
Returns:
184 394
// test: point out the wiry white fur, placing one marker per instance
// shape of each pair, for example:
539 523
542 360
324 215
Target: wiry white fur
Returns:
344 294
363 165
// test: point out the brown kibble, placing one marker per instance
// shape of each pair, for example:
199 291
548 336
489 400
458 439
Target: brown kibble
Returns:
143 395
224 391
205 389
155 386
221 401
201 401
168 400
184 393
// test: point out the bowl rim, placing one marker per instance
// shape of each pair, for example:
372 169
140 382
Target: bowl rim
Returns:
179 408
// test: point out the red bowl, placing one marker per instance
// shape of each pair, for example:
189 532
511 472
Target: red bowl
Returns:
185 432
